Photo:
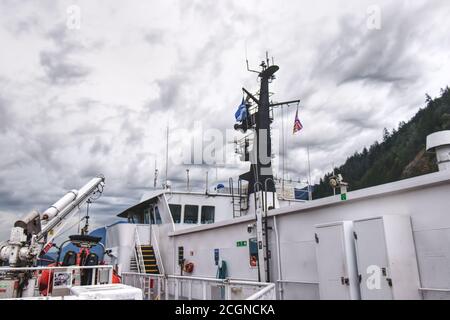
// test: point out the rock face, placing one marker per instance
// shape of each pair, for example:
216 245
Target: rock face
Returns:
423 163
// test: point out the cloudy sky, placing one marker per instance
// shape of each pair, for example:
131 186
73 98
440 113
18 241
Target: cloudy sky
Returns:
93 93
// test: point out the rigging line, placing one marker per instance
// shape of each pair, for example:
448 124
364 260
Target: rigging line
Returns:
70 227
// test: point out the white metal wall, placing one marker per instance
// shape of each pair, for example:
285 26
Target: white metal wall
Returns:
427 206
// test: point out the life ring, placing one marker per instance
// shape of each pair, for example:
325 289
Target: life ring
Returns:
45 281
188 267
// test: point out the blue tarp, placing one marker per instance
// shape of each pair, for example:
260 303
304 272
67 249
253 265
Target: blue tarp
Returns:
302 194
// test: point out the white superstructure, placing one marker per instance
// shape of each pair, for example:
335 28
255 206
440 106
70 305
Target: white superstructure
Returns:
396 234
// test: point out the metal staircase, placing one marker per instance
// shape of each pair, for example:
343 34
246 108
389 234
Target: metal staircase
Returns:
133 265
145 259
149 259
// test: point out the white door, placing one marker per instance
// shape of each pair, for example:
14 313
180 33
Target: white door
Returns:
333 283
372 260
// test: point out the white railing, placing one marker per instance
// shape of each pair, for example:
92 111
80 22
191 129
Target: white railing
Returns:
57 281
171 287
155 244
138 252
268 293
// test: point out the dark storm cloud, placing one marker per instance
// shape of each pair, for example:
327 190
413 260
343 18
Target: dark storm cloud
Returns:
170 93
384 56
61 72
59 68
348 77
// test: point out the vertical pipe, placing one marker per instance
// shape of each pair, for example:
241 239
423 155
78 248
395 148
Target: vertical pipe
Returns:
204 290
277 239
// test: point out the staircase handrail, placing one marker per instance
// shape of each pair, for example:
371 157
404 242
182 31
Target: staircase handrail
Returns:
138 252
156 251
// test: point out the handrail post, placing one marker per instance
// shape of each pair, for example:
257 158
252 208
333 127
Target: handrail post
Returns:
158 290
176 289
204 289
227 290
166 288
190 291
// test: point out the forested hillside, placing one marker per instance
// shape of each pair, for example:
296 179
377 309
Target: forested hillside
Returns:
400 155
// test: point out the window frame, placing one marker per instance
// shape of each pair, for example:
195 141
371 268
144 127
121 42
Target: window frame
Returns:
181 212
213 214
197 215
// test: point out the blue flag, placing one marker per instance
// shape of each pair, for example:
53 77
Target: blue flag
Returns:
241 112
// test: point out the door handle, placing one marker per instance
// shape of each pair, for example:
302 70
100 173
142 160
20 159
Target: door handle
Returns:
345 281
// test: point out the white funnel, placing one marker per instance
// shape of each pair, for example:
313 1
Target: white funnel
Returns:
440 143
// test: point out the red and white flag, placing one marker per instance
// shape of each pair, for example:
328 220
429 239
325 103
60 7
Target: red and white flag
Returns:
297 124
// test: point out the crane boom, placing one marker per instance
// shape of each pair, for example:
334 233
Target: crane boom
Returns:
28 238
83 195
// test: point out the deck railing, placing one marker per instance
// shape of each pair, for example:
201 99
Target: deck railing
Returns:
55 281
172 287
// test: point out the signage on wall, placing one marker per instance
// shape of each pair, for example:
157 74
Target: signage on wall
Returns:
241 244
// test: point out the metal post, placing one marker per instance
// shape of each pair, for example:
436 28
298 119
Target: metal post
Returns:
204 290
309 177
110 275
176 289
93 276
190 290
227 290
158 292
166 288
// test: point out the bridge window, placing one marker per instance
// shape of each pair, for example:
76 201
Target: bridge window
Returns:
190 214
153 212
175 209
207 214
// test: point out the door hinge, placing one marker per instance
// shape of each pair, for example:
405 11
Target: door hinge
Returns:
355 235
389 281
359 278
316 237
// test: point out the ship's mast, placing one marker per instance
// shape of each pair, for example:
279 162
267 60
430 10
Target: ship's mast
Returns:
261 185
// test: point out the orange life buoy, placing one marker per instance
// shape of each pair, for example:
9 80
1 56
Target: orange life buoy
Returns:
188 267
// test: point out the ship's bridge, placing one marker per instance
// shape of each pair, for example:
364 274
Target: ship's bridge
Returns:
186 209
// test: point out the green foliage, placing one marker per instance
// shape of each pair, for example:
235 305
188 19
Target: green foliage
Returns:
400 155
